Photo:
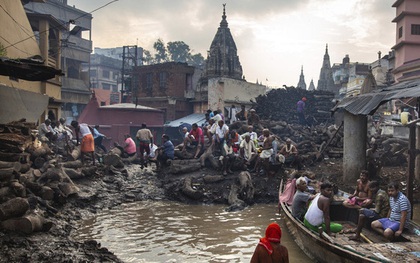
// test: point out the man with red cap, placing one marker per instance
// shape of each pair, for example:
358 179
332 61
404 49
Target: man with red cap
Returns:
269 248
301 111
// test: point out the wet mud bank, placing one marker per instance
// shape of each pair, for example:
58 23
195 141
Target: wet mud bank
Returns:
108 188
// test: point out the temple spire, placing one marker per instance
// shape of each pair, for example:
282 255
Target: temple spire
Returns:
224 22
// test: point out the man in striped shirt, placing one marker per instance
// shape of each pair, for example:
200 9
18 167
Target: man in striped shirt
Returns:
398 216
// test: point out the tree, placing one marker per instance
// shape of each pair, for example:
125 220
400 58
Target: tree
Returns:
147 57
179 51
197 59
161 55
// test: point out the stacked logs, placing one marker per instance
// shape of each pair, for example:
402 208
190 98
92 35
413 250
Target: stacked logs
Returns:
32 177
280 105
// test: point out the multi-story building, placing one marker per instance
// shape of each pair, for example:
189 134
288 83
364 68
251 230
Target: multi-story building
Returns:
30 85
105 78
75 48
407 44
167 86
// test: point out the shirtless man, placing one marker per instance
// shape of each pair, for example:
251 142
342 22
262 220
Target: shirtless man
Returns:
269 249
362 195
267 151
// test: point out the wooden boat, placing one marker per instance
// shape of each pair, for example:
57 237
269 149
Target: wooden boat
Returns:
373 248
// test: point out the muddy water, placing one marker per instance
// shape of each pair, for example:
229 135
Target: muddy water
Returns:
173 232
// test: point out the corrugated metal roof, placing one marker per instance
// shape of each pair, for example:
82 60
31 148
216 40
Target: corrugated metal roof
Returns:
127 106
198 118
367 104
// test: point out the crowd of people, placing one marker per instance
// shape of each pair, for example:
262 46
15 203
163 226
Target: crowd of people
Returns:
260 154
385 212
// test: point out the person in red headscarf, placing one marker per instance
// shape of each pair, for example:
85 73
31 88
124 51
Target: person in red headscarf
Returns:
269 248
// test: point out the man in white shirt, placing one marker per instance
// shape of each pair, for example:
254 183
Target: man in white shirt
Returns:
248 150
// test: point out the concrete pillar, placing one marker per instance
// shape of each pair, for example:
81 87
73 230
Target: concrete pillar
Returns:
417 166
43 39
354 158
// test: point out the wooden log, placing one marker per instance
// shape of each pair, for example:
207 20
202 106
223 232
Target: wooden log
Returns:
114 160
27 224
39 162
15 157
189 191
25 167
116 151
6 174
184 166
6 193
89 171
15 165
68 189
13 208
73 164
75 153
51 175
26 177
46 193
39 151
37 173
18 189
213 178
73 173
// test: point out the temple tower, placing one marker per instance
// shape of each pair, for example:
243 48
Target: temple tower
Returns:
326 81
222 58
301 84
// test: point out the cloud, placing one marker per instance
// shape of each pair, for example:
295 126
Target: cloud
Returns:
274 37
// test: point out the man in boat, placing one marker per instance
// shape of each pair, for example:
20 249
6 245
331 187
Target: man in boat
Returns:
362 193
380 210
400 212
301 199
318 213
269 249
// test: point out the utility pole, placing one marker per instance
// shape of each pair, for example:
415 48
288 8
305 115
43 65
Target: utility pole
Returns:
129 62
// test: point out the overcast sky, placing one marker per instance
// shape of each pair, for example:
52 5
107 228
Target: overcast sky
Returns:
274 37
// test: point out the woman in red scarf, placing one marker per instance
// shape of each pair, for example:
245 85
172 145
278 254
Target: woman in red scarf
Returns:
269 249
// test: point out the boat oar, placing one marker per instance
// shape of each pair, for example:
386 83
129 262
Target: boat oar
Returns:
324 235
365 238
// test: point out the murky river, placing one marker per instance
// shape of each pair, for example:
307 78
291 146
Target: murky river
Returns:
173 232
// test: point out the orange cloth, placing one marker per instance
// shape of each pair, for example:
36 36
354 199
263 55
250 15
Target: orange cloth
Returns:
87 144
272 234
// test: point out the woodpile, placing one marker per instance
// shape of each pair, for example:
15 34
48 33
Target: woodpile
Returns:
280 105
32 178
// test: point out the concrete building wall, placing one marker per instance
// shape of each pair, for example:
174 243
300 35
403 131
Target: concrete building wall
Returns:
226 91
14 33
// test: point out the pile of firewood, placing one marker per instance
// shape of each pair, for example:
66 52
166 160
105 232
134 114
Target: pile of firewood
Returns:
32 177
281 105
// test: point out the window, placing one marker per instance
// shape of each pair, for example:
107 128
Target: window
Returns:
415 29
114 88
149 81
400 32
162 80
106 86
105 74
93 73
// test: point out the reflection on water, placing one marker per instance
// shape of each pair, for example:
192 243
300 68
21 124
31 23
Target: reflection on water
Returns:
174 232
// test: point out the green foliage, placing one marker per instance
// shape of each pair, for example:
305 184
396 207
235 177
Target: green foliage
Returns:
197 59
3 51
161 54
177 51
